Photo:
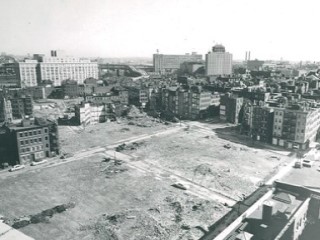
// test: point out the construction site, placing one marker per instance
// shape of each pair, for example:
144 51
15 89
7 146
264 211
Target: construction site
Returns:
137 178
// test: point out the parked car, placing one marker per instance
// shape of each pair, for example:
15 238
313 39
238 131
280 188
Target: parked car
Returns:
307 163
180 186
298 164
38 163
16 168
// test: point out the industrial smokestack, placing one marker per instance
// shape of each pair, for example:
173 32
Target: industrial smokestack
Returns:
246 56
249 56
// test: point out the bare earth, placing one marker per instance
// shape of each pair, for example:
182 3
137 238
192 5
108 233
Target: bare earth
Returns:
134 199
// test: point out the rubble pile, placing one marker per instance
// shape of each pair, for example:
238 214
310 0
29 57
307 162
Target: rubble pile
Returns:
113 167
139 118
120 225
42 217
131 146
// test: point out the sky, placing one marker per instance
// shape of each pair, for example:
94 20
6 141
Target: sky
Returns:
270 29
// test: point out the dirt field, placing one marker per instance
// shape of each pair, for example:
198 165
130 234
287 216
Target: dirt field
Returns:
125 205
131 198
73 139
201 156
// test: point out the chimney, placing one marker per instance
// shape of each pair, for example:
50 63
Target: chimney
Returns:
53 53
246 56
249 56
267 211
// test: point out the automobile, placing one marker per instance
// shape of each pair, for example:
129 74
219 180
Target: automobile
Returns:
38 163
180 186
298 164
307 163
16 168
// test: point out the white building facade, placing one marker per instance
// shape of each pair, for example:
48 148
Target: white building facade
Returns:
218 62
58 69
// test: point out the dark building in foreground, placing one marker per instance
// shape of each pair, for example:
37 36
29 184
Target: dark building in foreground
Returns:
285 212
32 140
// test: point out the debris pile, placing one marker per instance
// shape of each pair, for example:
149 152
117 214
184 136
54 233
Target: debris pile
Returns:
139 118
131 146
114 166
42 217
121 224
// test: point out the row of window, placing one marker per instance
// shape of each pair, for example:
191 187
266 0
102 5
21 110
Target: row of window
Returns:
31 141
32 149
32 133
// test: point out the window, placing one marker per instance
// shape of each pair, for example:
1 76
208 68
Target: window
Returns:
46 138
27 141
26 134
21 142
21 134
34 132
47 145
31 140
35 140
30 133
40 139
39 132
46 130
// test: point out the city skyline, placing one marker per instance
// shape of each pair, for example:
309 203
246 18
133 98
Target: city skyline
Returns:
270 30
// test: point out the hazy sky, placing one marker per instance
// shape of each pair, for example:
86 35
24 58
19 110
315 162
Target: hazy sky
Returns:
270 29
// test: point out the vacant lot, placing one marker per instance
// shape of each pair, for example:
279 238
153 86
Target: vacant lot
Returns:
133 199
201 156
73 139
123 204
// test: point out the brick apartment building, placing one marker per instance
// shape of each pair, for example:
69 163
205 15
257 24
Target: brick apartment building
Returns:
295 126
15 107
21 106
187 102
31 140
262 123
230 107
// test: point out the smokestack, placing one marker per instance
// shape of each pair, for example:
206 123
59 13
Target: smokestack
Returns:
249 56
246 56
267 211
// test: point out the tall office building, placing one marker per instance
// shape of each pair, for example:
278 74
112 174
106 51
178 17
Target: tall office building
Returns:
218 62
58 69
167 63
